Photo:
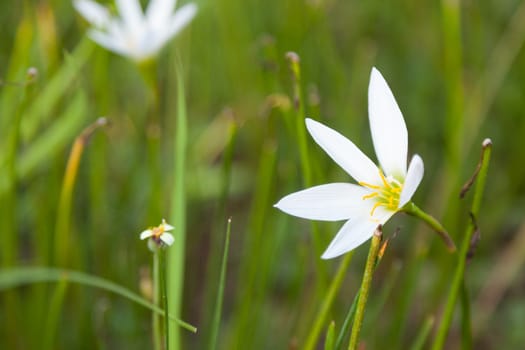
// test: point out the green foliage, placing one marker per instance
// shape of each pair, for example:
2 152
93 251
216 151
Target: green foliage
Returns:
457 72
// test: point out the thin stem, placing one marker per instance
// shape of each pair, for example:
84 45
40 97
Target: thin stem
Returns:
423 334
220 291
306 168
313 335
411 209
466 324
164 290
62 251
345 328
175 260
457 281
365 287
157 335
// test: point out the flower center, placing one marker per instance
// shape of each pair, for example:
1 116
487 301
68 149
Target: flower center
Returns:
386 195
157 232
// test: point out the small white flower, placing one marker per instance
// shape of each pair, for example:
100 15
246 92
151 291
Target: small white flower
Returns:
380 192
159 234
133 33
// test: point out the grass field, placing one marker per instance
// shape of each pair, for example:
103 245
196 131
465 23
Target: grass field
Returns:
212 128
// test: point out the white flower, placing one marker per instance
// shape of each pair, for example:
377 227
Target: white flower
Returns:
380 192
133 33
159 234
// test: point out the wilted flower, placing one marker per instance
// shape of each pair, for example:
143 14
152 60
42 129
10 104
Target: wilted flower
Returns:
132 32
159 235
380 192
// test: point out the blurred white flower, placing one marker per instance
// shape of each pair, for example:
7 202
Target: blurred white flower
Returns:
133 33
159 234
380 192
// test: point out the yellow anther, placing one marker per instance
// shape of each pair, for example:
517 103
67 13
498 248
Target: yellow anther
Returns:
386 195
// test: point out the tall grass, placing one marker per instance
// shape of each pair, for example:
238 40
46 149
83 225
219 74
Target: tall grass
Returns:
217 131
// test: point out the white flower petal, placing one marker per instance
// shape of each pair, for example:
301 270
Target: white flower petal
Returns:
108 41
146 234
344 153
330 202
131 14
355 232
167 227
159 11
181 18
93 12
388 128
167 238
412 180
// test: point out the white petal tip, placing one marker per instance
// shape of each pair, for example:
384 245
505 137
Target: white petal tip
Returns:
415 173
486 143
330 255
146 234
167 238
375 73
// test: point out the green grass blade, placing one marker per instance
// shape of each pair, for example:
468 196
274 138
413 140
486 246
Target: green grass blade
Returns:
175 259
42 108
320 319
20 276
220 291
439 340
329 339
55 138
423 334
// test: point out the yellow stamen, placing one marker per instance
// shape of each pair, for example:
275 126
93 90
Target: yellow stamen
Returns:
371 195
365 184
378 204
386 195
387 185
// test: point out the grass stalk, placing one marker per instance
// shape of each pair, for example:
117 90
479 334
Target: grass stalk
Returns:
220 291
329 339
444 325
175 258
62 247
423 333
21 276
335 285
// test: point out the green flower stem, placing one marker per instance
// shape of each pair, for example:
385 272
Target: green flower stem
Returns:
365 287
457 281
157 335
345 328
411 209
164 291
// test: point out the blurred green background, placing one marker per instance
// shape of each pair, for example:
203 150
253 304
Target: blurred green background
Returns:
456 69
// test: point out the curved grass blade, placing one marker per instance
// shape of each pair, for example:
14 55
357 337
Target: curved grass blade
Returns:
19 276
